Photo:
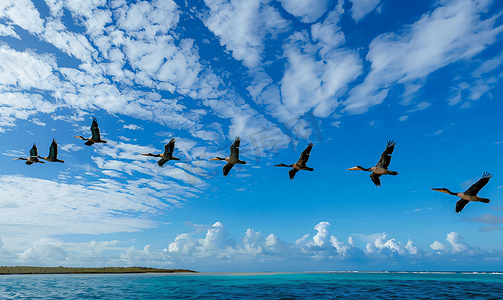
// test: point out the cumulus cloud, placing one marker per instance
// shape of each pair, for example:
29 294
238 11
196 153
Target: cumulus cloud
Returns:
211 246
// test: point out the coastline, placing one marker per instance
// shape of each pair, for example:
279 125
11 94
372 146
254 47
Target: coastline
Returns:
27 270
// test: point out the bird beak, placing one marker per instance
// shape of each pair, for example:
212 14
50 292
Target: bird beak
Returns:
440 190
353 169
214 159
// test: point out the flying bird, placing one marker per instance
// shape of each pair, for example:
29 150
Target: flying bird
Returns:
470 194
53 153
33 156
301 163
233 159
382 166
95 137
167 155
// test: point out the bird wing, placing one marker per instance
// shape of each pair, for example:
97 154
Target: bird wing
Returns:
34 151
95 130
227 168
292 173
461 204
304 157
162 161
169 147
375 179
235 149
386 155
53 150
477 186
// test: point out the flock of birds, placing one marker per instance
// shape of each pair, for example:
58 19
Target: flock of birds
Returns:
381 168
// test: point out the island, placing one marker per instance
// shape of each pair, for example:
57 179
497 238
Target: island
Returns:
70 270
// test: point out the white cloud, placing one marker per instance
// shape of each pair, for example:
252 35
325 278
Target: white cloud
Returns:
14 153
132 127
437 246
211 246
362 7
22 13
452 32
241 26
21 106
46 207
70 147
323 235
456 242
488 66
312 82
8 31
420 106
307 10
26 70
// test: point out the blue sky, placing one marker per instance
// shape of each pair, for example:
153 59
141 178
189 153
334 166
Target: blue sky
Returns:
344 75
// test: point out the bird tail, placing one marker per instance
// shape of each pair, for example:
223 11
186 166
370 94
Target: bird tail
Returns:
174 158
242 162
484 200
393 173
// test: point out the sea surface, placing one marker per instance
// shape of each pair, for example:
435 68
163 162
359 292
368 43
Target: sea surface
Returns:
255 286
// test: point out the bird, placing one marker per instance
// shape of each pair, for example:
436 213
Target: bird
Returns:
233 159
301 163
382 166
470 194
95 137
167 155
33 156
53 153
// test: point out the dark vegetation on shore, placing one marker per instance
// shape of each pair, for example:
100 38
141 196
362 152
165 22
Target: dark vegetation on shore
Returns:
66 270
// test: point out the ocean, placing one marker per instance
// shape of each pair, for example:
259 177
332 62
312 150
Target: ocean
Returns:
324 285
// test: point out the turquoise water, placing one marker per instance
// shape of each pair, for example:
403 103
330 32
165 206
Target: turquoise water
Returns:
283 286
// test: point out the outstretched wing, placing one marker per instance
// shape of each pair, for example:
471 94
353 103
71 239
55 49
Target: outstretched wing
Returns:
34 151
386 155
235 149
162 161
95 130
53 150
292 173
227 168
375 179
169 147
461 204
304 157
477 186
